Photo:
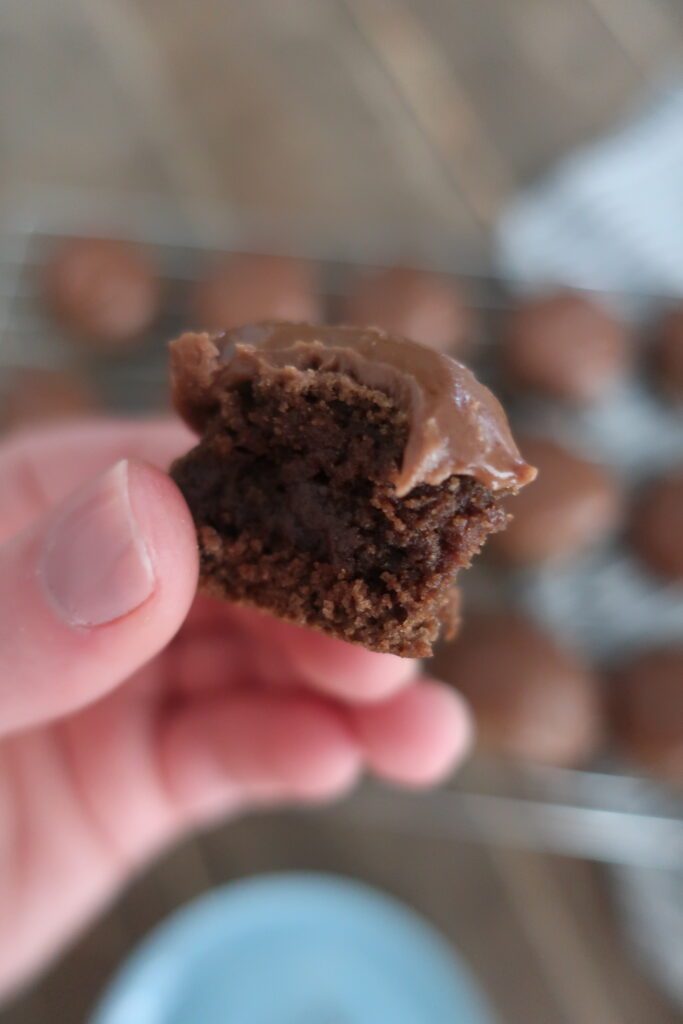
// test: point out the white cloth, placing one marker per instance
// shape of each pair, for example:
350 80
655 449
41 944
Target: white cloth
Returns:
610 217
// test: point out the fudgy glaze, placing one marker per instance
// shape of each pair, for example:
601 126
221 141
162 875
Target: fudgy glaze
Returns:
456 426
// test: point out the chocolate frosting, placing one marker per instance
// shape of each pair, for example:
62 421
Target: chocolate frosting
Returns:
457 427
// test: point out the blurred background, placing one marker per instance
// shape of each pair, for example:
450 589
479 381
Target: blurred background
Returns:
437 133
348 116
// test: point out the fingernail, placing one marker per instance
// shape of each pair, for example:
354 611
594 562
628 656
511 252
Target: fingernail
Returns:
95 566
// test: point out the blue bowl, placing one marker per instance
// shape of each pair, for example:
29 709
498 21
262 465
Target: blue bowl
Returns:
293 949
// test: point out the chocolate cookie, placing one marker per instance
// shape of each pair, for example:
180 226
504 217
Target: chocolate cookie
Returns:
647 711
570 506
31 396
240 289
564 346
342 478
102 291
668 354
657 526
413 303
531 698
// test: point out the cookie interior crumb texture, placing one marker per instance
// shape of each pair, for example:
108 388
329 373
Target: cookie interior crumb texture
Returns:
294 494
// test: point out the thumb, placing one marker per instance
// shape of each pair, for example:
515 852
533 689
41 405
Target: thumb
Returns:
91 592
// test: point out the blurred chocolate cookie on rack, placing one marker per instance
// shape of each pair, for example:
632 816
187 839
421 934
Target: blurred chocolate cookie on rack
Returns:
249 287
668 354
531 698
571 505
657 526
30 396
565 346
417 304
646 712
103 292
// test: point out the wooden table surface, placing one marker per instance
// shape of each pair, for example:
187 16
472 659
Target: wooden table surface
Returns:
357 119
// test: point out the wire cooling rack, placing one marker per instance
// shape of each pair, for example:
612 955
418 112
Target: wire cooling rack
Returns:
601 814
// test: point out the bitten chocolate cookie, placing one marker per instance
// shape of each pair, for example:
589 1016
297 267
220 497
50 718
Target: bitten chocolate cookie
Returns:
413 303
531 698
647 711
342 478
251 286
103 291
564 346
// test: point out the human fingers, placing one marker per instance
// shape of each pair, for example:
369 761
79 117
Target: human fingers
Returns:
286 746
325 664
230 751
417 736
91 591
202 661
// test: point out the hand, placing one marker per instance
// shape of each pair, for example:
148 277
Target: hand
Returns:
120 730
